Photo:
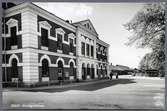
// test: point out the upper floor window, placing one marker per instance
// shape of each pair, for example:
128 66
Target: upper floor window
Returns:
59 41
87 49
92 51
101 50
71 45
44 37
13 31
105 51
44 29
83 48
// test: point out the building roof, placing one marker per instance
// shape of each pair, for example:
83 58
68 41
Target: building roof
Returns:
85 22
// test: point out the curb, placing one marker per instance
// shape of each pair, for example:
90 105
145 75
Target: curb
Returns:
56 86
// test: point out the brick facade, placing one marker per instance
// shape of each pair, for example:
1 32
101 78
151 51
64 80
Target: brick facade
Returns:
49 47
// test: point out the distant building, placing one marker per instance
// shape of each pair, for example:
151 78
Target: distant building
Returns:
121 69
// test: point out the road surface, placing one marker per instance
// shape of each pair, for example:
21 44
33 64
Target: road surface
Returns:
125 93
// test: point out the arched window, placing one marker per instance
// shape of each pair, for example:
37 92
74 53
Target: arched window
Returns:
45 68
83 71
101 70
92 72
60 69
72 69
88 69
14 69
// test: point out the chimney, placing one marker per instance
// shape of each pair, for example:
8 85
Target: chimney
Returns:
67 21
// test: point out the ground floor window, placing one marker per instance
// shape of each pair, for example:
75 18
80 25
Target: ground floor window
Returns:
60 70
72 69
83 72
45 68
92 73
14 69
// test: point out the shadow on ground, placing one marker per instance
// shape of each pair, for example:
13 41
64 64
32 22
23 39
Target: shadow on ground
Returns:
88 87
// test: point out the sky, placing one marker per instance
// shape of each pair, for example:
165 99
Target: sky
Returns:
108 20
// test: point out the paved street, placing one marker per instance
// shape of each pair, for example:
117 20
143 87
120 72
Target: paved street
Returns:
126 93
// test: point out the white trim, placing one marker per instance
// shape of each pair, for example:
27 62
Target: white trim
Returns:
60 59
44 48
8 65
13 56
5 35
41 12
15 79
71 60
45 57
100 66
59 51
47 26
12 23
38 51
38 64
61 32
71 36
71 77
45 79
52 38
14 47
71 53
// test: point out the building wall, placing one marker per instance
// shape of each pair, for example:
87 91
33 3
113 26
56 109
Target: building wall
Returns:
29 51
98 59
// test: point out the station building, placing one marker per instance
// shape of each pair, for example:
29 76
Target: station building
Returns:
39 47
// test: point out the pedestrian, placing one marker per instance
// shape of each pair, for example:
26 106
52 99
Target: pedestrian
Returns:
111 74
60 78
117 75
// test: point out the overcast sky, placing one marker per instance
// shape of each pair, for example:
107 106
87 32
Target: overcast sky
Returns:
108 20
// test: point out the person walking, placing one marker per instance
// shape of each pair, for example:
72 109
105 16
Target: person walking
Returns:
116 75
111 74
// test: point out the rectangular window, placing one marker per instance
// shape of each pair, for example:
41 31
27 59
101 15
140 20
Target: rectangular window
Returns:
83 48
13 35
44 37
59 42
71 45
87 48
92 51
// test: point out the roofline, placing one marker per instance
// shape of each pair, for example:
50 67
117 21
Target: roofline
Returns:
52 14
32 5
100 41
86 20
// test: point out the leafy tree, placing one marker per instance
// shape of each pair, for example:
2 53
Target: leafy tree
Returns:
148 31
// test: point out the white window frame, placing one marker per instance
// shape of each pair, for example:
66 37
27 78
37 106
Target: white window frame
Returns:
47 26
81 48
61 32
71 36
12 23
